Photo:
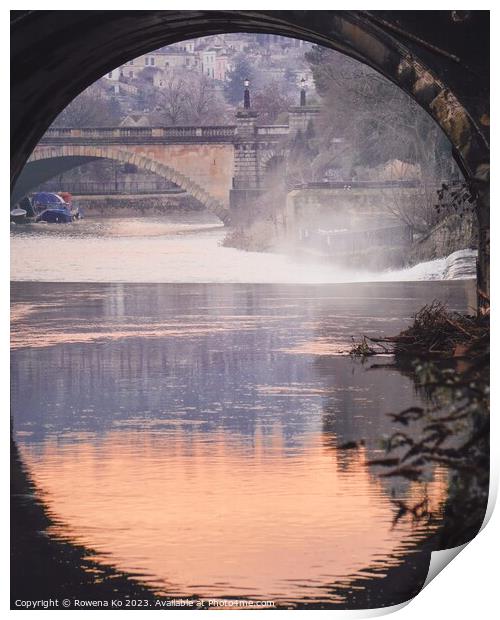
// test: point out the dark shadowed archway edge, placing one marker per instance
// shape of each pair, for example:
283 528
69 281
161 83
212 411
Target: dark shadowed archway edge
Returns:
440 58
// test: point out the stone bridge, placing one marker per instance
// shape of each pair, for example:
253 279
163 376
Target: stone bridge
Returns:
439 58
223 167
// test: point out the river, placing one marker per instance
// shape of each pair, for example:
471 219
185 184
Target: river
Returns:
182 408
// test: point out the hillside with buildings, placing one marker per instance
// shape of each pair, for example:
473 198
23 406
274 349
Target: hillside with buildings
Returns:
199 81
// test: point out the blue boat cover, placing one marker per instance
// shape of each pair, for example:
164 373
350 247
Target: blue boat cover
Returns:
47 198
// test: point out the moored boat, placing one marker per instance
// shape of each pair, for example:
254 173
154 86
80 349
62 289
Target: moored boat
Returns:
68 199
52 208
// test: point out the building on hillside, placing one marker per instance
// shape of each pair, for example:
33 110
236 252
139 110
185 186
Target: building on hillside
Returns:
273 73
174 59
171 59
222 66
208 60
138 119
114 75
184 46
236 43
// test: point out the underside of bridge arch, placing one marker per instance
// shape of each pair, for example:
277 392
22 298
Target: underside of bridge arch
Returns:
440 58
37 172
48 162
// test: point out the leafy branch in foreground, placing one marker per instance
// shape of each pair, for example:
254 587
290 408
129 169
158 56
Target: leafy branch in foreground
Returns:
447 355
453 431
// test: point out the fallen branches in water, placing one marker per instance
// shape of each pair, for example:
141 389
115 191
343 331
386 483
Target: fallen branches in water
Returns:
435 331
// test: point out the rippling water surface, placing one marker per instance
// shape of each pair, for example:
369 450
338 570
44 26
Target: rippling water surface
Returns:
190 434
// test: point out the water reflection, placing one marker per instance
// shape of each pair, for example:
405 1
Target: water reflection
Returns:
214 516
190 434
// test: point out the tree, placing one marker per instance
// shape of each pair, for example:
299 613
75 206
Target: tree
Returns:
240 72
377 118
271 102
90 109
187 98
170 100
378 123
204 102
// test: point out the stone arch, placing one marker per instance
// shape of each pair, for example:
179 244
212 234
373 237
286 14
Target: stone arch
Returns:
144 163
440 58
267 157
401 45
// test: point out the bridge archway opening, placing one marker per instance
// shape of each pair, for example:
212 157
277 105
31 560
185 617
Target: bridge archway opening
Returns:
439 59
49 162
106 178
372 38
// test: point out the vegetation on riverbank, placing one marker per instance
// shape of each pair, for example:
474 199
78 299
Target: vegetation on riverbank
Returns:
435 332
256 237
447 356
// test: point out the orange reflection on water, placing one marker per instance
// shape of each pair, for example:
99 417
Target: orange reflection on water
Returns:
208 514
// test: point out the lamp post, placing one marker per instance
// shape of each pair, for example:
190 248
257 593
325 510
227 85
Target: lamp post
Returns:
246 94
303 92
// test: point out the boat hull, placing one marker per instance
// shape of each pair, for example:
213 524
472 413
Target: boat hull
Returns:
56 216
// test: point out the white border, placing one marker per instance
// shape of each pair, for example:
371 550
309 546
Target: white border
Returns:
467 587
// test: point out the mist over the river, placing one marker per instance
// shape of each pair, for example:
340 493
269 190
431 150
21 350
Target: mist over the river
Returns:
181 248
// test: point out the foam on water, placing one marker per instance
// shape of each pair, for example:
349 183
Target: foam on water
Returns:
184 250
460 265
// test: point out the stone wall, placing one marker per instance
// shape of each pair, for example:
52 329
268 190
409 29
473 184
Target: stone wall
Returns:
452 234
342 209
355 227
129 205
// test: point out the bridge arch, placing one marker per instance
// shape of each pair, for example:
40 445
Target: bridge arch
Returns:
270 158
79 154
440 58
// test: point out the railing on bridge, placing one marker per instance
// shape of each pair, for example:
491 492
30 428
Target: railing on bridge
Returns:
110 134
273 130
85 188
113 133
349 185
353 241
